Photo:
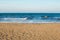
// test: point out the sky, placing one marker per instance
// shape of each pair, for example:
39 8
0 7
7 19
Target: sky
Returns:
30 6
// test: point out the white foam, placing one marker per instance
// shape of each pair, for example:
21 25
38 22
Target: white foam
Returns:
13 19
24 20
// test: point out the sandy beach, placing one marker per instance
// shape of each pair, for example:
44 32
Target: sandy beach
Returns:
18 31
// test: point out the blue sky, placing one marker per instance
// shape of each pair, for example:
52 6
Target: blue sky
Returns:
22 6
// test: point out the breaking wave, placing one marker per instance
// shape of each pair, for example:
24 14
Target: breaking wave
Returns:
30 18
26 20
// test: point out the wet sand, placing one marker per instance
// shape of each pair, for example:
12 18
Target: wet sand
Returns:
17 31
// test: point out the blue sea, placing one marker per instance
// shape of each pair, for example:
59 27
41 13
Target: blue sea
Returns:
30 17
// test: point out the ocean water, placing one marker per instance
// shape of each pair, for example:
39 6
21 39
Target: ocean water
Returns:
30 17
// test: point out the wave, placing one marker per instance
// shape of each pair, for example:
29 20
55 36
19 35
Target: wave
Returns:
25 20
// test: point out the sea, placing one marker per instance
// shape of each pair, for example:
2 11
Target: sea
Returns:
29 17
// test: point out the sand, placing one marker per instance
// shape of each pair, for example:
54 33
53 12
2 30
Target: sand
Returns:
18 31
